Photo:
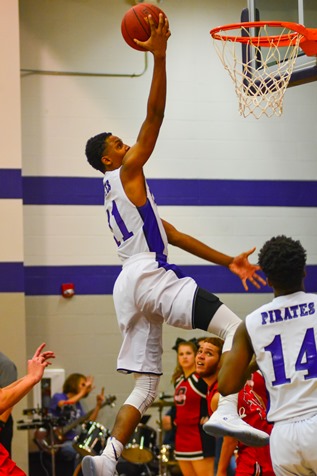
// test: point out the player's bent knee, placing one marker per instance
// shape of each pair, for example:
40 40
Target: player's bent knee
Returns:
206 305
144 392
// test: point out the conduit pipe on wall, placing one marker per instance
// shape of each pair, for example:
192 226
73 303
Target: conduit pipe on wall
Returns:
25 72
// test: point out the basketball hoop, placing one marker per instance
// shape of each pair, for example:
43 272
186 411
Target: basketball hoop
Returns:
260 57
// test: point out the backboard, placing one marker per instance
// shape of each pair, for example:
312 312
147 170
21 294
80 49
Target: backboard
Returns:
303 12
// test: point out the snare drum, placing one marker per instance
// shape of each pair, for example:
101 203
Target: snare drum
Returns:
140 449
92 439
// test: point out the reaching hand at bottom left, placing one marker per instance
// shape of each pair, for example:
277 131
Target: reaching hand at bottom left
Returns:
39 362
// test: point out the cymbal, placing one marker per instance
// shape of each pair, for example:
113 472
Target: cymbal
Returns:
162 403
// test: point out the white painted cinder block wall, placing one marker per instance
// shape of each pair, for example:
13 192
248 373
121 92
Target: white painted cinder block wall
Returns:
12 304
203 136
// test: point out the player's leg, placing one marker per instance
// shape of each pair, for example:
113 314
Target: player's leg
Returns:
127 419
181 303
140 354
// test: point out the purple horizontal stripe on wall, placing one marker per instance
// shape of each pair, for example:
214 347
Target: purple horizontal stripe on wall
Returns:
11 278
62 191
94 280
173 192
10 183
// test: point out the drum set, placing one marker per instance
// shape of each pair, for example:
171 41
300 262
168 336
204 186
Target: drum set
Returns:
144 455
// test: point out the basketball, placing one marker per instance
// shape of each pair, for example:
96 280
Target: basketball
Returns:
135 25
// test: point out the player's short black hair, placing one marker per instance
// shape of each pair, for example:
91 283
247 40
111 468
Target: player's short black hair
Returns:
95 149
283 261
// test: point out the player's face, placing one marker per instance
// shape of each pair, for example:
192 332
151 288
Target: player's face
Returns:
116 150
186 357
207 359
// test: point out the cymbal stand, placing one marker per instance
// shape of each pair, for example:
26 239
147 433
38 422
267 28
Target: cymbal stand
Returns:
52 448
162 465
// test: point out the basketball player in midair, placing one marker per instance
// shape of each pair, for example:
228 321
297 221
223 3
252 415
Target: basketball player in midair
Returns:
149 290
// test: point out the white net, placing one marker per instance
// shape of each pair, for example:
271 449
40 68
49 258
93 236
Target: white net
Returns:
260 73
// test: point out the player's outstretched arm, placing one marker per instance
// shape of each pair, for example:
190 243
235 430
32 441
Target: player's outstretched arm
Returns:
14 392
239 265
140 152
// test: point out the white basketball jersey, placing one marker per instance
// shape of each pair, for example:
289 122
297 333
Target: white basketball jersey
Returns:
135 229
284 339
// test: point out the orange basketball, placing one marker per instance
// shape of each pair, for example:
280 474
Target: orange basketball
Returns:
135 25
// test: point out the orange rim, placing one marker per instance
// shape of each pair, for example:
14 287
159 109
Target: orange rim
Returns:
278 40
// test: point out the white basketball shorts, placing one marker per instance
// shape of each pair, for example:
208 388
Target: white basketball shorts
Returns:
146 295
293 447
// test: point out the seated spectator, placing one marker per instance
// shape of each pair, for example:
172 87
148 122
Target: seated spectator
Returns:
67 406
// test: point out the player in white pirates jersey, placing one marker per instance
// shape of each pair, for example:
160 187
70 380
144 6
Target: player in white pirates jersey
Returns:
150 291
283 336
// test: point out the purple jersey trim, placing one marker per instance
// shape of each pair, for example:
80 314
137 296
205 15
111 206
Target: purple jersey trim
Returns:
151 229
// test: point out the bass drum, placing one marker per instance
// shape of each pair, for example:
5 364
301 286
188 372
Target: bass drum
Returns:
141 447
92 439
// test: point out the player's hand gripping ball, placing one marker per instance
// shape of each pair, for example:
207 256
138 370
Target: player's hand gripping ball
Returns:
135 24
